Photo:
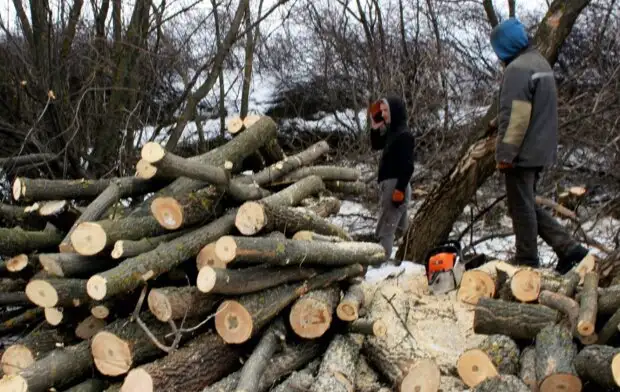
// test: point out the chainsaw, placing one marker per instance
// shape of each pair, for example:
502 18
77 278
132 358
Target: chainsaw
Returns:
444 267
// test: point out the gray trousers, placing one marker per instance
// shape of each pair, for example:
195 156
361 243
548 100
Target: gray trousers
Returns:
393 220
529 220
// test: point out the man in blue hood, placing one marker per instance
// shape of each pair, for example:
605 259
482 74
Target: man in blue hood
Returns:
527 142
389 132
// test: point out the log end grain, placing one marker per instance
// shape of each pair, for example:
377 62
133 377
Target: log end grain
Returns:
379 328
17 263
226 248
100 311
233 322
16 358
347 311
66 247
208 257
111 354
117 250
41 293
615 369
561 383
474 366
52 207
88 238
423 376
152 152
145 170
525 285
19 189
250 120
474 285
168 212
234 125
88 327
310 318
13 383
53 316
96 287
205 281
159 305
250 218
138 380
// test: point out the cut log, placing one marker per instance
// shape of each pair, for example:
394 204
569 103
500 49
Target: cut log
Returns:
253 368
608 299
586 320
352 188
9 163
516 320
503 382
15 241
562 303
234 151
306 235
8 285
17 298
255 217
22 320
299 380
42 189
248 280
496 354
325 172
54 292
59 369
234 125
130 273
600 364
30 348
131 248
207 258
203 361
337 370
366 378
59 213
555 352
525 284
95 211
423 376
21 263
173 213
527 368
90 238
174 303
368 327
324 207
286 251
571 281
350 305
479 282
236 321
609 329
73 265
311 315
54 316
90 385
123 345
11 216
88 327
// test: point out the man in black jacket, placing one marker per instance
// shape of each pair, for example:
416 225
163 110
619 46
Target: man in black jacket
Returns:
527 142
389 132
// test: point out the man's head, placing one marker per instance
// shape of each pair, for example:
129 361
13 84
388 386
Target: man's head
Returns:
508 39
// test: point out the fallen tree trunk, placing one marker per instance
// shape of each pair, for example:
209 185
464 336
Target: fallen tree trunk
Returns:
30 348
53 292
337 370
353 188
72 265
435 219
174 303
516 320
131 248
502 382
495 355
600 364
255 217
325 172
527 371
236 321
16 240
324 207
203 361
185 210
60 368
555 352
248 280
130 273
276 251
311 315
27 159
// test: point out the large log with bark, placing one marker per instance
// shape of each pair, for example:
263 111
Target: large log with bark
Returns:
349 306
15 240
311 315
73 265
277 251
326 172
337 370
131 248
600 364
53 292
496 354
555 353
30 348
21 320
185 210
502 382
11 216
90 385
130 273
527 368
174 303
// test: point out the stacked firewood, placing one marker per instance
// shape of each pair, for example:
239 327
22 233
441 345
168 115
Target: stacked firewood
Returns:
543 331
217 280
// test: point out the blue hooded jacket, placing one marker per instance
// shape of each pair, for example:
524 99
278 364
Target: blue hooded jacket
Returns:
508 39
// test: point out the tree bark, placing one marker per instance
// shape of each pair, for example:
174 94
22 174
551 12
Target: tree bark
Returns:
8 285
306 235
54 292
17 298
255 217
11 216
274 251
324 206
42 189
311 315
30 348
555 352
353 188
186 210
376 327
443 206
174 303
518 321
73 265
60 368
90 385
609 329
88 327
132 248
600 364
561 303
248 280
325 172
527 371
130 273
203 361
337 370
350 305
15 241
299 380
496 354
21 321
503 382
239 320
586 321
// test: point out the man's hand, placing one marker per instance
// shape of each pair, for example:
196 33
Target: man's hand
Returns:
376 125
504 165
398 197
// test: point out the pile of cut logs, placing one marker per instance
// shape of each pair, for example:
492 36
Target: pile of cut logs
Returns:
217 280
544 331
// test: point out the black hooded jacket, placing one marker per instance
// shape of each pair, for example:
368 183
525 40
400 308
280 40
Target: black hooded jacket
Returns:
397 143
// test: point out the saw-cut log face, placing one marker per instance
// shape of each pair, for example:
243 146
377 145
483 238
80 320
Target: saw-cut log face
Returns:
233 322
42 293
112 355
168 212
474 366
16 358
138 380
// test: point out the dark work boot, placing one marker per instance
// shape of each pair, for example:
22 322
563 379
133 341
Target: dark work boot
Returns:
573 258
